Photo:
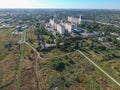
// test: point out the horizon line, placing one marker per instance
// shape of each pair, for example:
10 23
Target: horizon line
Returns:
64 8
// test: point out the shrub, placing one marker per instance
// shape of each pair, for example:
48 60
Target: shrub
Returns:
3 55
117 69
66 57
67 84
76 78
1 75
71 61
58 65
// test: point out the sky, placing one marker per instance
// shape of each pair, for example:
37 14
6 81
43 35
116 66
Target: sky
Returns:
67 4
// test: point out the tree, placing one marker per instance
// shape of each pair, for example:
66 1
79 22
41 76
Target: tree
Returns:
76 45
58 41
58 65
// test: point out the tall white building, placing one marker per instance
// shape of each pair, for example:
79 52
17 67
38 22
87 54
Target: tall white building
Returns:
69 27
52 22
80 20
55 26
70 19
73 19
60 29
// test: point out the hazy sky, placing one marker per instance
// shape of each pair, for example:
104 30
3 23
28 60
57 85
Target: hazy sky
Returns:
80 4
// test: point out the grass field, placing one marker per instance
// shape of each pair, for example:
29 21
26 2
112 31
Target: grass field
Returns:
110 66
65 71
8 57
78 74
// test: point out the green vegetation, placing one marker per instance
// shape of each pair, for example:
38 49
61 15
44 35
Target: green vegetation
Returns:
1 76
18 84
58 41
95 27
76 73
117 68
8 58
108 60
70 45
58 65
2 56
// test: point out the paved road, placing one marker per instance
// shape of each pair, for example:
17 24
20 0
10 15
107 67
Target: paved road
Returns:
33 49
23 41
36 61
24 34
99 68
20 64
